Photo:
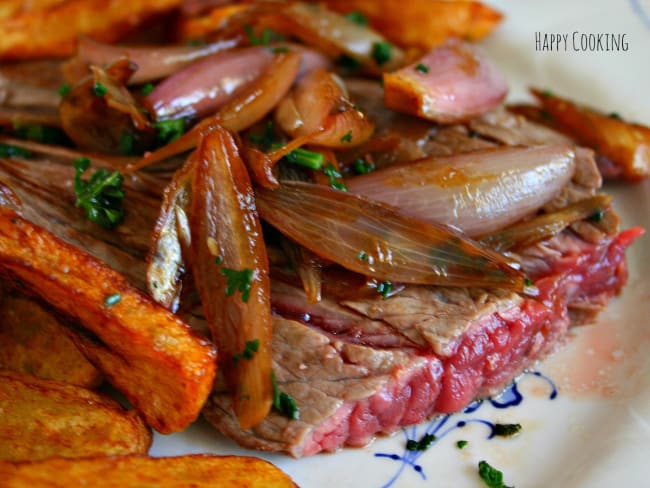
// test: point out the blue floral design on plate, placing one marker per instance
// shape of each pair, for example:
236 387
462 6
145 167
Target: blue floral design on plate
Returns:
442 425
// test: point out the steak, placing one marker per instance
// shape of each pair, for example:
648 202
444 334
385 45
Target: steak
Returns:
368 367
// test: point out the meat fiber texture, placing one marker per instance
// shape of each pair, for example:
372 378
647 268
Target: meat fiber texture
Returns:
368 367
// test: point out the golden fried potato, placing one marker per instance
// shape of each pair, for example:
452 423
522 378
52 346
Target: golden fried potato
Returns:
423 23
145 351
33 341
53 29
200 471
625 144
44 418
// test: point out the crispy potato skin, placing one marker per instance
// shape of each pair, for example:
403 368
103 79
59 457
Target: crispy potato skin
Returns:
145 351
424 23
53 29
33 341
625 144
197 471
44 418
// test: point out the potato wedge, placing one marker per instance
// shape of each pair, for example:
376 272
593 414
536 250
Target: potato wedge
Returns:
625 144
139 471
53 29
423 23
44 418
145 351
33 341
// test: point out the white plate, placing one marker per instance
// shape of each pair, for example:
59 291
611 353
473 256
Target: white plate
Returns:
597 431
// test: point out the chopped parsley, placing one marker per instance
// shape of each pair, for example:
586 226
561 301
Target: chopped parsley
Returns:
265 139
280 50
249 351
347 137
64 89
333 174
126 143
266 37
169 130
422 445
381 52
506 430
9 151
528 282
303 157
348 63
113 299
218 260
362 167
422 68
384 288
146 89
461 444
363 256
240 281
40 133
615 115
547 93
283 402
492 477
100 196
597 215
99 89
357 17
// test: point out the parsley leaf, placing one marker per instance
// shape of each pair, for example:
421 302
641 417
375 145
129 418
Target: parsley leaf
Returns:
357 17
146 89
422 68
347 137
283 402
492 477
362 167
249 351
381 52
461 444
169 130
421 445
64 90
266 37
384 288
99 89
240 281
506 430
333 174
100 196
9 151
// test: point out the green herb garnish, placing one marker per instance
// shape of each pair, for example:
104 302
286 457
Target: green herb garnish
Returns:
422 445
333 174
249 351
422 68
381 52
597 215
363 256
100 196
280 50
40 133
126 143
348 63
357 17
146 89
528 282
461 444
113 299
506 430
362 167
266 37
303 157
9 151
547 93
384 288
64 89
169 130
615 115
347 137
99 89
492 477
265 139
240 281
283 402
218 260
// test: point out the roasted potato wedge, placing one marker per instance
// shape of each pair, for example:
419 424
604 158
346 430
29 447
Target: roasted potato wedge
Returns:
44 418
200 471
625 144
145 351
53 29
33 341
423 23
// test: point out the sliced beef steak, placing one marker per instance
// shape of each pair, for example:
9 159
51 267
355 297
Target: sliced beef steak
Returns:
448 347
